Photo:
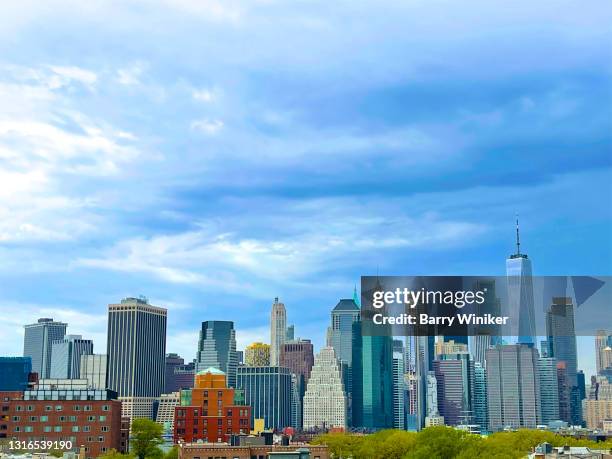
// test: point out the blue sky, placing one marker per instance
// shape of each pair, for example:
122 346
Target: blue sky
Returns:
212 155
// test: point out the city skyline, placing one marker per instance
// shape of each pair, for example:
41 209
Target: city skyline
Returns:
213 177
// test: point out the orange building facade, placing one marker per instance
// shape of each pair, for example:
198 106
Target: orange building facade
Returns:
212 415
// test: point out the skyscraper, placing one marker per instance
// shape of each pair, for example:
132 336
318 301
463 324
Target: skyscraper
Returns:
37 342
512 387
432 417
257 355
278 331
562 336
377 377
520 292
15 373
66 356
603 351
172 361
298 356
549 391
479 397
217 348
399 387
342 331
93 369
455 377
290 333
325 399
267 390
136 351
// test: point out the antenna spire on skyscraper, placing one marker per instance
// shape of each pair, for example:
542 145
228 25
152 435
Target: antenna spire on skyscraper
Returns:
518 240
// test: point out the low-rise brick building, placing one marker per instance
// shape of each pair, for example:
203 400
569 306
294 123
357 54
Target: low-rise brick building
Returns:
63 410
222 451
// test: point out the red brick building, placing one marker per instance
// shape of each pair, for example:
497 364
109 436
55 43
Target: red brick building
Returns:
91 419
212 416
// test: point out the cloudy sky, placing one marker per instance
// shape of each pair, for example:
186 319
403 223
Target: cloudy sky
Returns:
212 155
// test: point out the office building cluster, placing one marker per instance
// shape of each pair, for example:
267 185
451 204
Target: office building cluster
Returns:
62 390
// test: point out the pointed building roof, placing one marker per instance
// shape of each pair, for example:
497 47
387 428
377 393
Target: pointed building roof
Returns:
346 305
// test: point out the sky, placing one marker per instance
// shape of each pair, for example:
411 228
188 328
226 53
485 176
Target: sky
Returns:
212 155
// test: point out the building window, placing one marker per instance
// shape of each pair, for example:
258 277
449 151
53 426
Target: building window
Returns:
91 418
44 418
28 429
57 429
58 408
30 408
16 418
77 408
86 429
33 418
105 408
47 429
87 408
104 428
73 418
100 438
62 418
17 429
19 408
102 418
75 428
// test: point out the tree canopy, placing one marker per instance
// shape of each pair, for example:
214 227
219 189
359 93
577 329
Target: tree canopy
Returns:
442 442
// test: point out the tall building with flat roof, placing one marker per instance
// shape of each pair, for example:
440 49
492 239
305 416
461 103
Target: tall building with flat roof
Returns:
325 399
217 348
37 343
561 335
455 378
513 387
603 351
278 331
343 317
549 391
136 350
15 373
257 355
93 369
268 391
479 397
399 386
66 356
172 361
298 356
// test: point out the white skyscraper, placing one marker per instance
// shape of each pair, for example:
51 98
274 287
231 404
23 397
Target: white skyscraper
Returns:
278 331
399 386
325 400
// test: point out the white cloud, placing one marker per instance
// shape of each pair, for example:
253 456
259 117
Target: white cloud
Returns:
203 95
44 140
207 126
68 74
191 257
130 76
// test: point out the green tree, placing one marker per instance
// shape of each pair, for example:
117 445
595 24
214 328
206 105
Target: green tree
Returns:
172 454
145 438
114 454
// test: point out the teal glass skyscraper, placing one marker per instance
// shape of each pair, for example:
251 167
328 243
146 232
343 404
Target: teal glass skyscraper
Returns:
343 317
377 377
217 348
